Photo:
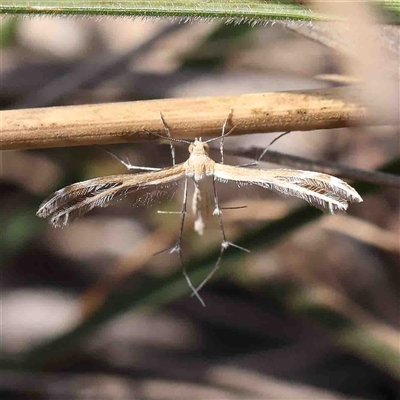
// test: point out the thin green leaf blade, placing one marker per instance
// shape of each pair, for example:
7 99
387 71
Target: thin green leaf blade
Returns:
230 10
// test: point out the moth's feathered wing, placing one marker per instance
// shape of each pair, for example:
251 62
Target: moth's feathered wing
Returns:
71 202
320 190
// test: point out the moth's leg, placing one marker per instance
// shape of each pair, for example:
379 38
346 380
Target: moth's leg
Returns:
223 134
167 131
178 247
224 245
129 166
256 161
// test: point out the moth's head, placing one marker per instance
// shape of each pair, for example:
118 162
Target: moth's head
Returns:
199 147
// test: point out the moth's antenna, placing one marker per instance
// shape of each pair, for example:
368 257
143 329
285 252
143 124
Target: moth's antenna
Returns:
272 142
168 138
265 150
222 136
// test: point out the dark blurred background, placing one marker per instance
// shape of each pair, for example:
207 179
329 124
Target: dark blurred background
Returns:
89 313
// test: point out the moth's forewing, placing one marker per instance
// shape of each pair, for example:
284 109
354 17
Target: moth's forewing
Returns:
71 202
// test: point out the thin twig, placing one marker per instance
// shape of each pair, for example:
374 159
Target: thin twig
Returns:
341 171
187 117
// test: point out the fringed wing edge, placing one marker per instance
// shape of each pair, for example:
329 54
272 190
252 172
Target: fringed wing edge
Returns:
323 191
73 201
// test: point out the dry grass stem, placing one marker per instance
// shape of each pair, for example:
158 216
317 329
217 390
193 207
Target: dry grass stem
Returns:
187 117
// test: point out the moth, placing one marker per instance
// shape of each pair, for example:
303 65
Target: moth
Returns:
323 191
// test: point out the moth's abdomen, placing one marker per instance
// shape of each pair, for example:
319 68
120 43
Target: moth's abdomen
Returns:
203 203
